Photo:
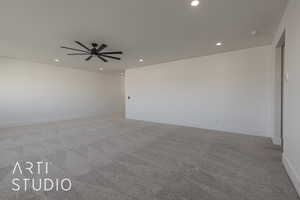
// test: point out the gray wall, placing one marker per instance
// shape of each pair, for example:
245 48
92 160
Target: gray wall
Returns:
229 91
33 92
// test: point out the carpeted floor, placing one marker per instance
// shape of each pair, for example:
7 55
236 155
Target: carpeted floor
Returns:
116 159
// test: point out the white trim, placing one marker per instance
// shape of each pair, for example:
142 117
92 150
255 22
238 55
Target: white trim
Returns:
57 119
276 140
192 125
292 173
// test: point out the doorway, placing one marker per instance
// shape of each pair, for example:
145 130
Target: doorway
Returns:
280 89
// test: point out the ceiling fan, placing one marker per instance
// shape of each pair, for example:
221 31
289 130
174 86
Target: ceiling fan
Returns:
95 50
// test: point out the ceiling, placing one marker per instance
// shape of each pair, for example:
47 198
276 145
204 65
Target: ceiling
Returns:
155 30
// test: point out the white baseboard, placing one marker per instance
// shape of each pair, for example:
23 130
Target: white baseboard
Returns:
194 125
57 118
292 173
276 140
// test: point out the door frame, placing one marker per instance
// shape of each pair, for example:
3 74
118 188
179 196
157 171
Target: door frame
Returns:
281 83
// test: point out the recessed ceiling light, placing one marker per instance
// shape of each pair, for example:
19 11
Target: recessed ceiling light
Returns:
56 60
141 60
101 69
195 3
253 32
219 44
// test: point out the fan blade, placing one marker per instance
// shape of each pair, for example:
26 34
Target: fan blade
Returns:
82 45
74 54
88 58
104 60
74 49
103 46
114 52
112 57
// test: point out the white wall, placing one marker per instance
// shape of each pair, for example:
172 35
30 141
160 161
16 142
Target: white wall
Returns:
32 92
291 24
229 91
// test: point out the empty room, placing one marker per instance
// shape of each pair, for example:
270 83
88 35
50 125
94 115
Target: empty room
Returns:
150 100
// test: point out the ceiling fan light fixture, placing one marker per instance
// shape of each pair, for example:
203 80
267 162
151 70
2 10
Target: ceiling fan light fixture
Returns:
96 50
